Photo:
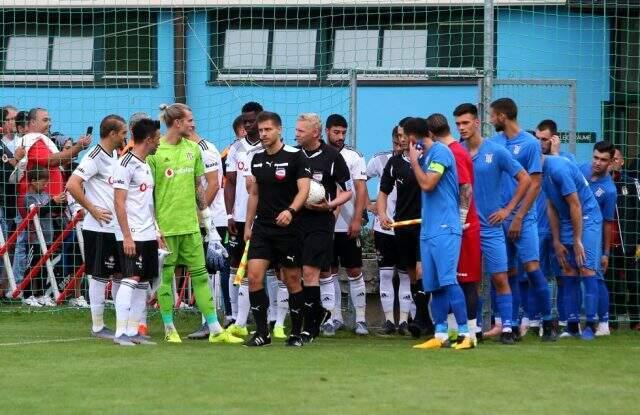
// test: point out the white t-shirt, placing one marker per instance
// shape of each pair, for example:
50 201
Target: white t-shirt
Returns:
134 176
237 162
375 167
96 169
213 162
357 169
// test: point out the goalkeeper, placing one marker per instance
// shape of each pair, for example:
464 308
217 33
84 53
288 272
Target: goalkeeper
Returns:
177 168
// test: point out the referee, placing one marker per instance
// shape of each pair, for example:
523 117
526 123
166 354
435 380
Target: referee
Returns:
277 191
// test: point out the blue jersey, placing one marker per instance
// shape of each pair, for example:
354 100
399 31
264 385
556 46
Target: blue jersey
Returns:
561 178
489 164
440 211
568 156
525 148
604 191
541 214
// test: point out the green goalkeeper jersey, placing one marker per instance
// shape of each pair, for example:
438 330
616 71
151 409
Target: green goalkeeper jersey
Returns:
175 170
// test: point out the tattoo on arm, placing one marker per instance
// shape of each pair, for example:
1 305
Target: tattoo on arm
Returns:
465 196
201 196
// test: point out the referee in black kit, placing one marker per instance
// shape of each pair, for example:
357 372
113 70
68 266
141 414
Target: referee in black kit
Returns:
278 188
330 169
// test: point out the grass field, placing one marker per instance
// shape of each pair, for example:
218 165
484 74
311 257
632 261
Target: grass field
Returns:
49 364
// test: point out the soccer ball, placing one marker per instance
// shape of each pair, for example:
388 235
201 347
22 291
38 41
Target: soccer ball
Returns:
316 193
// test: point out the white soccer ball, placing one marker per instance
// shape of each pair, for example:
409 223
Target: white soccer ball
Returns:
316 193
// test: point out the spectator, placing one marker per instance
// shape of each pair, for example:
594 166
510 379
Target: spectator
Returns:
624 270
37 181
7 165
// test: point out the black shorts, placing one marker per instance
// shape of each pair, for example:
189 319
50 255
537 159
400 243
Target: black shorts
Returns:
101 258
236 245
280 246
346 252
317 248
144 265
408 245
386 249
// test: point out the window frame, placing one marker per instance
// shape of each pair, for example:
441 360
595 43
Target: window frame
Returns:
96 76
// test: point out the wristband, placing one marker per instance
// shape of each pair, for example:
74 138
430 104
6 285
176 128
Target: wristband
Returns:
229 216
291 210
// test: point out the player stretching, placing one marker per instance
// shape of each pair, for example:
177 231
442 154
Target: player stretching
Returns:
387 250
90 185
520 225
576 226
328 168
490 163
469 264
137 237
440 233
235 199
347 247
177 169
604 190
279 186
399 175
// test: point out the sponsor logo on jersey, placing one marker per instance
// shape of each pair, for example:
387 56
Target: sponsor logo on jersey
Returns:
240 165
488 158
516 149
143 187
281 174
110 180
169 173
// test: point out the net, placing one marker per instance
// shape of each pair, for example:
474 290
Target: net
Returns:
373 61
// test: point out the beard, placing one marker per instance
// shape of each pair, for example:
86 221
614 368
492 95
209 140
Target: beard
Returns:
499 127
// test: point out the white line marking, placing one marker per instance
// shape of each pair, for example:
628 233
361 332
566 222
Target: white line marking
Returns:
47 341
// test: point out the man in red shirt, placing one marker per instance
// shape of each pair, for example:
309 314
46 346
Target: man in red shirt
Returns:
469 263
41 151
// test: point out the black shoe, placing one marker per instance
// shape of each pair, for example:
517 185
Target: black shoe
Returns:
229 323
403 328
388 329
548 334
294 341
258 340
534 331
515 330
507 338
306 337
272 324
479 337
415 329
200 334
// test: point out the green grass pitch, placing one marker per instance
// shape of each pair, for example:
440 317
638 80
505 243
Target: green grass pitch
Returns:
50 365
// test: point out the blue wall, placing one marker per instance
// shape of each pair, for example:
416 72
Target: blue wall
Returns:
558 45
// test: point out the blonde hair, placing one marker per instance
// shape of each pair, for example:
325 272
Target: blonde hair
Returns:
313 119
170 113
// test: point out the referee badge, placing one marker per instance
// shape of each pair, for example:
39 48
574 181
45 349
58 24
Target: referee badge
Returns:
5 158
317 177
281 174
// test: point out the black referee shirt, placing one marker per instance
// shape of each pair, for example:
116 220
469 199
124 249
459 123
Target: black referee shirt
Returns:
398 173
277 177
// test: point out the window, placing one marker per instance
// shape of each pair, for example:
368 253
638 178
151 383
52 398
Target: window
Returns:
355 49
404 49
102 47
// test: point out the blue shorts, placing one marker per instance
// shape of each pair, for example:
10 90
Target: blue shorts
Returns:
494 249
525 249
548 262
592 243
440 261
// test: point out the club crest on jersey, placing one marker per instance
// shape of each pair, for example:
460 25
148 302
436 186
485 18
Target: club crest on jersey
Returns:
516 149
169 172
281 174
189 155
488 158
599 192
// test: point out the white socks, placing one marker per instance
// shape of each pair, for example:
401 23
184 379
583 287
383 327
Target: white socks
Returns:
404 296
473 328
283 303
96 300
327 293
358 296
272 292
233 293
115 286
123 304
243 304
336 313
387 293
451 322
138 305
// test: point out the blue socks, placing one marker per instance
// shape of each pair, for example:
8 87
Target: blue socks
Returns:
603 302
560 301
590 297
541 288
504 304
458 305
514 283
571 298
440 309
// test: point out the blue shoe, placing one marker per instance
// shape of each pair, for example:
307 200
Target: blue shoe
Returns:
587 334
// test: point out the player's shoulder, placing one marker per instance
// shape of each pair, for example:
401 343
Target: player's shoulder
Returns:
290 149
130 160
94 152
236 146
382 155
352 151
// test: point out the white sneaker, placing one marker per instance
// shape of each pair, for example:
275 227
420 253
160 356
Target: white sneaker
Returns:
46 301
603 330
79 302
32 302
